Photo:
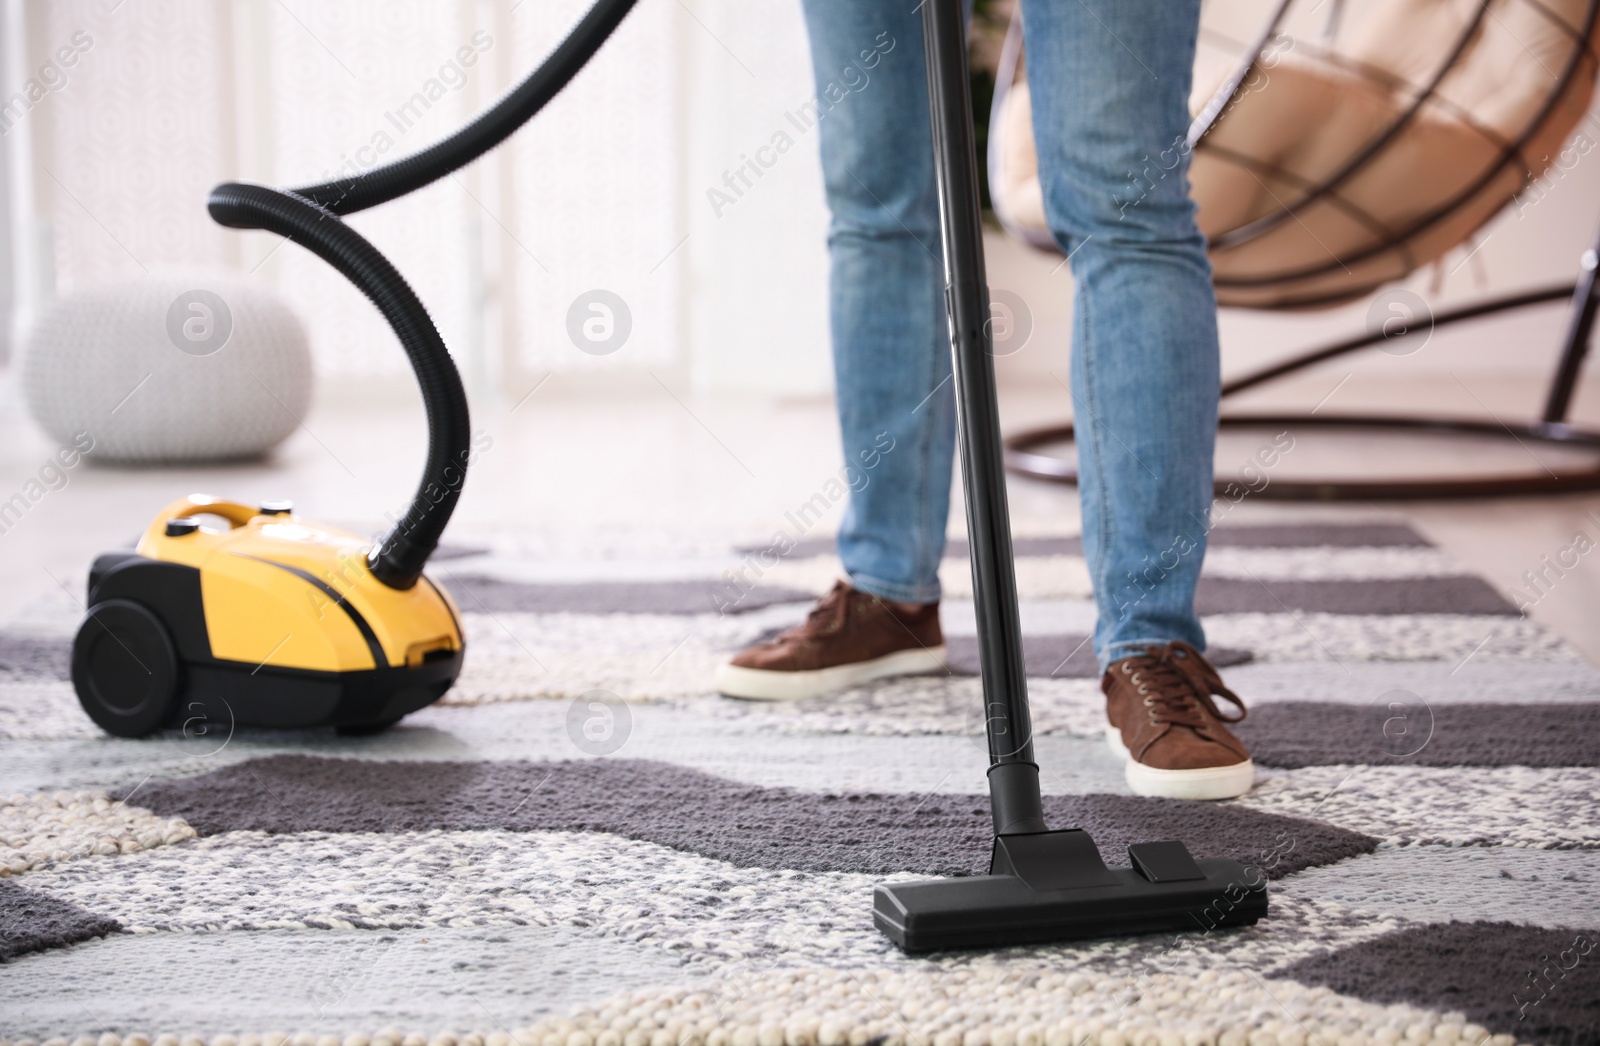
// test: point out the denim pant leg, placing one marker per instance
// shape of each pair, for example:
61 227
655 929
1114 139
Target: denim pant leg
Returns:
891 352
1110 84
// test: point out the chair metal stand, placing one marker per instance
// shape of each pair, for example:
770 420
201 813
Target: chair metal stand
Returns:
1024 456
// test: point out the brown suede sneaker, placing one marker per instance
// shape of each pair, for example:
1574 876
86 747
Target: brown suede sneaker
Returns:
847 639
1164 723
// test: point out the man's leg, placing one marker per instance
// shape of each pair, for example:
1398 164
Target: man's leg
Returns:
891 360
1110 84
890 352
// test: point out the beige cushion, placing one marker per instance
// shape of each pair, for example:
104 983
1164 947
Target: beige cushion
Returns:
1310 114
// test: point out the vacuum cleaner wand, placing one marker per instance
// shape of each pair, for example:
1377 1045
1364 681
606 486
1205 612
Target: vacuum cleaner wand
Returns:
1042 885
1013 774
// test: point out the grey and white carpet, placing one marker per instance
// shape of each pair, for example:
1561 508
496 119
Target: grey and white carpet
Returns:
582 846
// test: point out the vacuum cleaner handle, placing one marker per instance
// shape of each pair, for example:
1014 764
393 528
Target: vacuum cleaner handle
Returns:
1013 774
235 513
310 217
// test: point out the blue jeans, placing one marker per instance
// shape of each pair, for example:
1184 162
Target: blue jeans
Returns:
1110 83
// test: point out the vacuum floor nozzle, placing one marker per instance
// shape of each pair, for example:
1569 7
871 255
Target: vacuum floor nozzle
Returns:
1053 886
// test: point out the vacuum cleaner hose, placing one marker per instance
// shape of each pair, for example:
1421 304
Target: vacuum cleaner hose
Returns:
398 559
410 173
310 217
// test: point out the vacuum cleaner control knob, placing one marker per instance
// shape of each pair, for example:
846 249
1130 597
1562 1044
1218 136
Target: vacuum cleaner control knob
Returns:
181 525
277 507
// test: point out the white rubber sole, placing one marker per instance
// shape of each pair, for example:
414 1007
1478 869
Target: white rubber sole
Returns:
760 684
1212 782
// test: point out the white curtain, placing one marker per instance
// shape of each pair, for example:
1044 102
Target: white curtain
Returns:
164 98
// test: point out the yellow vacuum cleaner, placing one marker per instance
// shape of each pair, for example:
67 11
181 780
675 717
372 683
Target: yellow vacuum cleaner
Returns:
227 614
239 615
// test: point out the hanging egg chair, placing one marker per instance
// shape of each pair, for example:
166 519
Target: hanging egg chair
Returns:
1341 156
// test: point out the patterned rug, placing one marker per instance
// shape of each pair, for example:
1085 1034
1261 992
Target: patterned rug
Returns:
581 846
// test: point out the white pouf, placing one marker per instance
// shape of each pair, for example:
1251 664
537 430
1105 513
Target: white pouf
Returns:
169 369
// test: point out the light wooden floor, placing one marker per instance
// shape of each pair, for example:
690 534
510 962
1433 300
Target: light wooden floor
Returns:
570 462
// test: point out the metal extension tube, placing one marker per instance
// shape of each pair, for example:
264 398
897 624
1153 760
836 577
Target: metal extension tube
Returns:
1013 774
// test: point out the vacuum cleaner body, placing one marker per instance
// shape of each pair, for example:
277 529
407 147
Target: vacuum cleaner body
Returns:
226 614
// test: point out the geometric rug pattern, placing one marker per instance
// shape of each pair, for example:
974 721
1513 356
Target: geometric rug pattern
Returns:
581 845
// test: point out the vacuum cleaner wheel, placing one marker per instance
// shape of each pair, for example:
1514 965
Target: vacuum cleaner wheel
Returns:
124 668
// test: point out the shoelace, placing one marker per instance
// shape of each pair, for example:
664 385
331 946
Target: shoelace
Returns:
824 618
1177 684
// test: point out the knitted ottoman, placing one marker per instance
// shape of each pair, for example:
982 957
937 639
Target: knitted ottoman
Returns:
169 369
